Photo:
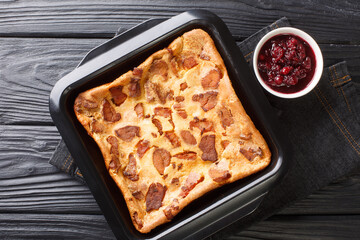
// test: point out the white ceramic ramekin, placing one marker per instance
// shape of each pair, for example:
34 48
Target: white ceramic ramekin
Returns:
318 57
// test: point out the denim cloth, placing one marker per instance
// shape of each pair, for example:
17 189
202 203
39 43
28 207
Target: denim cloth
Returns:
324 131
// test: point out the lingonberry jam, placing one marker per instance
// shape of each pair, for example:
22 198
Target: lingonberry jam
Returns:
286 63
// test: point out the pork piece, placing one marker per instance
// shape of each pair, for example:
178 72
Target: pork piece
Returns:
162 111
130 170
118 97
219 172
139 110
204 125
212 79
142 147
251 153
109 113
187 137
161 159
128 133
207 100
154 196
173 138
158 125
207 146
97 127
186 155
134 88
226 117
190 183
171 210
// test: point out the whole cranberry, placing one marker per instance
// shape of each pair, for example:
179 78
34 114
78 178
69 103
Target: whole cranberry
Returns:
285 70
291 80
279 80
291 43
307 63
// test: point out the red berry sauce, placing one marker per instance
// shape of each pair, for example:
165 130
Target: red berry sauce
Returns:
286 63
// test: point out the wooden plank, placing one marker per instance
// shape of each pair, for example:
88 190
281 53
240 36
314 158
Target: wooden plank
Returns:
29 184
327 22
54 226
343 194
303 227
30 67
80 226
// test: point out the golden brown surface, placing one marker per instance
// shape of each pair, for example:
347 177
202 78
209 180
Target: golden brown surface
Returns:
172 129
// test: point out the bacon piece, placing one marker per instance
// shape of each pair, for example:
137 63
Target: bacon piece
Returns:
161 159
127 133
154 196
189 62
134 88
130 170
174 66
159 67
182 113
158 125
180 166
137 72
226 117
162 111
170 95
172 123
142 147
207 100
154 91
178 106
137 220
219 172
183 86
192 180
109 112
118 97
83 102
138 195
204 125
204 56
188 155
245 136
225 143
175 181
114 152
251 153
139 109
207 146
173 138
188 137
179 98
171 210
114 149
154 135
97 127
212 79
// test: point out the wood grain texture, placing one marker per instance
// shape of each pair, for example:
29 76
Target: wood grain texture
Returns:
303 227
30 67
80 226
54 226
326 21
29 184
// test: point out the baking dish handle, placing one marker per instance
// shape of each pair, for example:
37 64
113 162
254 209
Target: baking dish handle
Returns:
120 38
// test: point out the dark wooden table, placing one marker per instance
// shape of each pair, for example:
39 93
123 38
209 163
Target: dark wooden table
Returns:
41 41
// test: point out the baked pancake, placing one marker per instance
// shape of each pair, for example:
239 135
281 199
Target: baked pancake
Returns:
172 129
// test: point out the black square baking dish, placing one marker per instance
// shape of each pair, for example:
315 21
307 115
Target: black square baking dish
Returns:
214 210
